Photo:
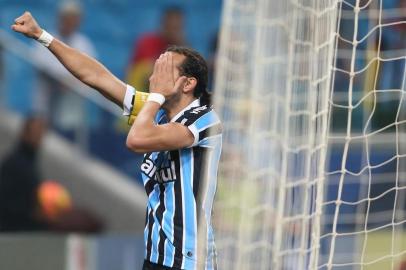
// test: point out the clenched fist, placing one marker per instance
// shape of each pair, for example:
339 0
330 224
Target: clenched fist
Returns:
27 25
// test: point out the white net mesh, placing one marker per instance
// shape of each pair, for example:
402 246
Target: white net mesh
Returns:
311 93
272 90
363 211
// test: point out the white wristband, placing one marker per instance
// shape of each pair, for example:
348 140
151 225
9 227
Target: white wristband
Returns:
156 97
45 38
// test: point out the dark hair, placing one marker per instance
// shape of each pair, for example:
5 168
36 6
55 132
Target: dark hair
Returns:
195 66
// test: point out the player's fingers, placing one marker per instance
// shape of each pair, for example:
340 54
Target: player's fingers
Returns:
23 18
170 65
160 59
156 66
165 62
19 20
160 62
17 28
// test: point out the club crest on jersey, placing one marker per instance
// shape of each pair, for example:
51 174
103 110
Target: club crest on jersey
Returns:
161 175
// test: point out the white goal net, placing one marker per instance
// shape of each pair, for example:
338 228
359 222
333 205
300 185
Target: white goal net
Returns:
313 172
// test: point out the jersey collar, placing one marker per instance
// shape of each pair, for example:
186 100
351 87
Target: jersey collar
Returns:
195 103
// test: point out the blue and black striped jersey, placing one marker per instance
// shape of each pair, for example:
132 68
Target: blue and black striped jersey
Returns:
181 185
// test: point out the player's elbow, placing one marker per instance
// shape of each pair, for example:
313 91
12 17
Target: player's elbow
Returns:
136 144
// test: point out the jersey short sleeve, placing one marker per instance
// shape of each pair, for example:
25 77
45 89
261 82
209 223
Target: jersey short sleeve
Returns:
202 121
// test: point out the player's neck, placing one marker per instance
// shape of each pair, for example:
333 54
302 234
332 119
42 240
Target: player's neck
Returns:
174 107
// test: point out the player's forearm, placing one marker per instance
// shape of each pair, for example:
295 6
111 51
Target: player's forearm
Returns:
89 71
144 129
83 67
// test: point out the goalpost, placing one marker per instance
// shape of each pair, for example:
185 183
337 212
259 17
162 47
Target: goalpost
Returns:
313 172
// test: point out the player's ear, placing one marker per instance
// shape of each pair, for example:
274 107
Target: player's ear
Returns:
190 85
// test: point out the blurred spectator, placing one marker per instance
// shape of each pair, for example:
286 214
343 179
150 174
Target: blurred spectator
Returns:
149 46
22 208
19 179
65 109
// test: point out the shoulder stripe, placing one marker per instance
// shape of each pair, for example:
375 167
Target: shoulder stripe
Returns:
193 114
211 131
206 120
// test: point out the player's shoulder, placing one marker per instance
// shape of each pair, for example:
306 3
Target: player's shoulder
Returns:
196 113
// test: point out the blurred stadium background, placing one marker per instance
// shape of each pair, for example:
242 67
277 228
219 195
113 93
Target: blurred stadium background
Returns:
85 153
84 147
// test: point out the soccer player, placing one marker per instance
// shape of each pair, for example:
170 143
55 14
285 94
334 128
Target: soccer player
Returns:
181 136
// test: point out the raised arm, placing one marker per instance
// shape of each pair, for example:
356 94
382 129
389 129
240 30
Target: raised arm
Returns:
83 67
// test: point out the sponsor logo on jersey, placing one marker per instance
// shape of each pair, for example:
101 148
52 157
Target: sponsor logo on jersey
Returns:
161 175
